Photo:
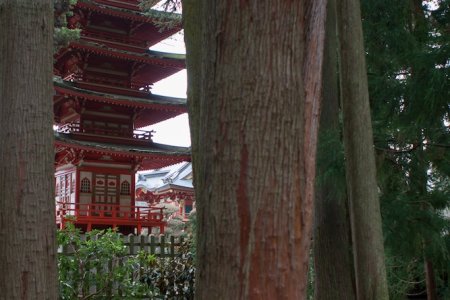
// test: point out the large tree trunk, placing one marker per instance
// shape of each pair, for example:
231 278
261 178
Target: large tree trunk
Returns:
27 211
362 190
192 26
257 137
333 267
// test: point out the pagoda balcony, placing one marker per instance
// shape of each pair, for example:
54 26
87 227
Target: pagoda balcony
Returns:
106 133
101 215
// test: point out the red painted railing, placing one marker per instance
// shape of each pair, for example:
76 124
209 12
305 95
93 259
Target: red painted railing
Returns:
76 128
112 215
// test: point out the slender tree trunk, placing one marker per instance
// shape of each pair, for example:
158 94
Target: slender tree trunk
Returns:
333 267
362 190
430 280
27 218
419 162
257 133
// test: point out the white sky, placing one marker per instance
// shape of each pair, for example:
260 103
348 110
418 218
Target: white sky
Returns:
174 131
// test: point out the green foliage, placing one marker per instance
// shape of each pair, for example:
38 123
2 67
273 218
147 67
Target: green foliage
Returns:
99 259
405 276
407 49
192 231
62 35
173 277
168 18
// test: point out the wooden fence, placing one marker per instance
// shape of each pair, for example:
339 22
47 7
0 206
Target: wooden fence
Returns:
160 246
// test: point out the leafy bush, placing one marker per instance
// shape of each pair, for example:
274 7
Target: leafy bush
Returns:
97 259
95 265
174 278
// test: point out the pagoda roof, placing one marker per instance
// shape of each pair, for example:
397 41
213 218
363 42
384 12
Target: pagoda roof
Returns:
161 54
108 8
173 177
149 57
151 101
153 156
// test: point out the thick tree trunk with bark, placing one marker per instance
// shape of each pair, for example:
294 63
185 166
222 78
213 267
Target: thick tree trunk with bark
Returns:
367 237
333 266
27 212
192 26
257 133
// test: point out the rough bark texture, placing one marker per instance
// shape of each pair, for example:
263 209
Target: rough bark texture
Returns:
257 137
27 218
192 26
367 237
333 267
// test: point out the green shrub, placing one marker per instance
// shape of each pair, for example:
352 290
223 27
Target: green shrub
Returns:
95 265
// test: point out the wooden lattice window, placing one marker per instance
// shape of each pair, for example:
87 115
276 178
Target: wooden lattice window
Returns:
85 185
125 188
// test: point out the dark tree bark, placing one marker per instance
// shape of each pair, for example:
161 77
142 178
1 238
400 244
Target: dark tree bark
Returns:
333 267
430 280
367 237
192 25
27 211
256 138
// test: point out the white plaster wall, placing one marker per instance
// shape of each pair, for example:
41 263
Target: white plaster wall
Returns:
88 175
124 177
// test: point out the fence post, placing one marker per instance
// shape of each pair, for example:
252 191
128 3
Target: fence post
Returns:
172 246
131 239
152 244
162 241
142 244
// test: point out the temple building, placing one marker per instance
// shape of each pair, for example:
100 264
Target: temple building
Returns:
168 187
102 101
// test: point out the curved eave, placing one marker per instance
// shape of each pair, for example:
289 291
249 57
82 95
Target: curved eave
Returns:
153 156
166 55
124 55
172 186
121 13
163 103
124 150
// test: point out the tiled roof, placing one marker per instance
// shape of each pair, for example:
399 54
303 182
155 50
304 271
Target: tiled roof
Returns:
150 100
120 149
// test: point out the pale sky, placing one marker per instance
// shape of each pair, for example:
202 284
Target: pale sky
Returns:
174 131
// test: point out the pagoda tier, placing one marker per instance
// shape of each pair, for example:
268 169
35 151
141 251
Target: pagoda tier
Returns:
102 100
119 24
77 105
75 152
107 69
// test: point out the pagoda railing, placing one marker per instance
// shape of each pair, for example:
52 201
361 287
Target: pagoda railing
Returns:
109 214
105 131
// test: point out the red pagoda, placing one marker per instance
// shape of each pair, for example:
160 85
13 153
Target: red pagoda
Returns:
102 98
